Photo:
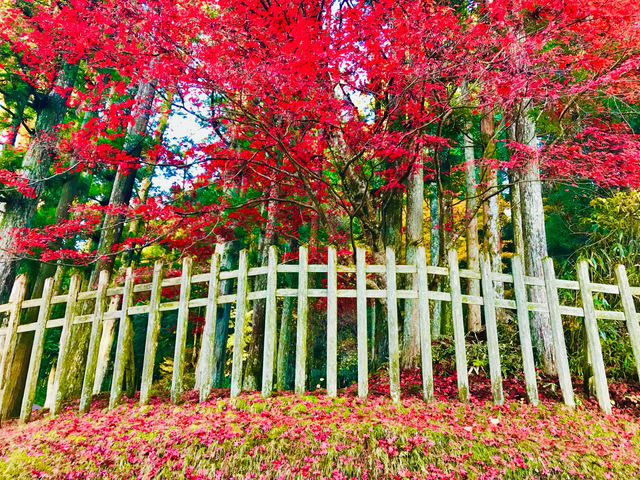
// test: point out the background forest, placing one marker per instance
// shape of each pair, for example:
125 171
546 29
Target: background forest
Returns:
137 131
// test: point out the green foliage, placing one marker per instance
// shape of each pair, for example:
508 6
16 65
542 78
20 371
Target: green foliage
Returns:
614 235
566 208
477 355
606 232
347 362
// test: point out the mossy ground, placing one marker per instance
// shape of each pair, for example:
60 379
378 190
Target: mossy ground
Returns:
313 436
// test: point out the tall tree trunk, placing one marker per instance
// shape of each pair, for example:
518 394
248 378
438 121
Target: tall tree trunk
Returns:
392 222
23 350
434 256
445 225
122 188
229 259
19 210
67 195
516 215
11 136
390 235
415 203
112 226
474 320
253 366
491 209
285 361
535 238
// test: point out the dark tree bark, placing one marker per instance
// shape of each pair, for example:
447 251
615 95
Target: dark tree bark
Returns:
19 210
112 226
534 235
123 184
253 365
229 260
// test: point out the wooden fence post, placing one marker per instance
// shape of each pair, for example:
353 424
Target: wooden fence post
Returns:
238 335
392 321
422 288
593 336
361 307
488 292
36 352
301 328
208 333
630 313
16 298
557 332
124 331
181 330
153 328
332 322
104 350
458 327
268 353
59 384
524 329
94 342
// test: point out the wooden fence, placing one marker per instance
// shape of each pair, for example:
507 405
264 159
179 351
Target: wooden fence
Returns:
96 300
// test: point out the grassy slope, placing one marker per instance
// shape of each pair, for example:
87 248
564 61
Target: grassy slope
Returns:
316 437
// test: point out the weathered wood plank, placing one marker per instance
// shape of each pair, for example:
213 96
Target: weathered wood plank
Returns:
557 332
501 277
524 330
59 384
269 347
255 271
31 303
317 268
392 322
106 340
205 361
301 328
489 294
604 288
181 331
434 270
124 331
36 352
593 336
238 335
151 339
567 284
469 274
287 268
94 342
361 308
14 308
458 327
287 292
332 322
630 313
376 268
422 286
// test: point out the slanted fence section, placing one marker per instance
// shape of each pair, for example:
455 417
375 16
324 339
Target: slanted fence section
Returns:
90 307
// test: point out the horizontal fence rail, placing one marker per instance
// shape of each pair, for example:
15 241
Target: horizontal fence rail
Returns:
90 307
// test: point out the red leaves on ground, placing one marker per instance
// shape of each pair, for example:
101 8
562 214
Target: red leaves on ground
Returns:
317 437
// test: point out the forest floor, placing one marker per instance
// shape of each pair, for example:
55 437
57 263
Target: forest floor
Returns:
313 436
